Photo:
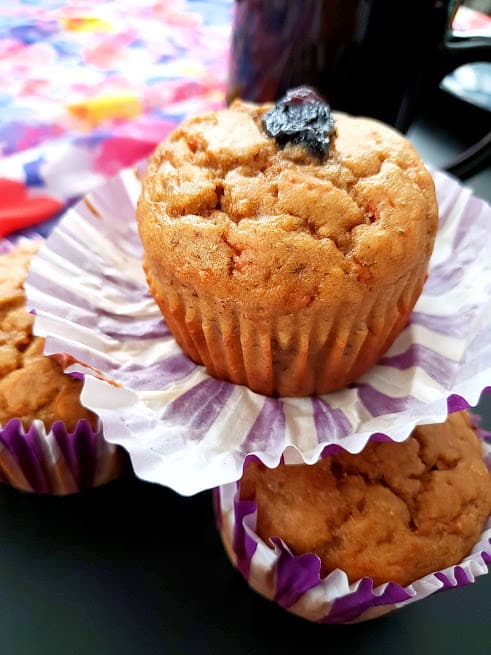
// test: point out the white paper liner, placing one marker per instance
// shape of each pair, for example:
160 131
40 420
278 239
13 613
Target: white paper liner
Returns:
191 432
295 583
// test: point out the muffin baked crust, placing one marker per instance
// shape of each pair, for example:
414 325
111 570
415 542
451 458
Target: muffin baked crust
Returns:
394 512
315 258
32 386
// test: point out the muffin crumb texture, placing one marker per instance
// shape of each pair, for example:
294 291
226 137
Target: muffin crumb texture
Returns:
32 386
370 204
395 512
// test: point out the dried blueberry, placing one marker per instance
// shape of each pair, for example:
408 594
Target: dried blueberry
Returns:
301 117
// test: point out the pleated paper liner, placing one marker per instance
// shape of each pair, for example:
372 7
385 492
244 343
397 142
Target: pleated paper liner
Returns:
330 351
57 461
190 431
294 582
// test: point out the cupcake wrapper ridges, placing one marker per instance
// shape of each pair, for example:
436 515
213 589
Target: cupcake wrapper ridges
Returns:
238 349
56 462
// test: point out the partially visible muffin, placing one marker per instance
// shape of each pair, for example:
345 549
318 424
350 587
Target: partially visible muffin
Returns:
395 512
49 442
32 386
288 264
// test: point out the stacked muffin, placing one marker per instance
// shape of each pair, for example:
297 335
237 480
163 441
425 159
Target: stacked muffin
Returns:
286 249
395 512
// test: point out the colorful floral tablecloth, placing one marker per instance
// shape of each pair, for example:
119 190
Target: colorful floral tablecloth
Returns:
90 87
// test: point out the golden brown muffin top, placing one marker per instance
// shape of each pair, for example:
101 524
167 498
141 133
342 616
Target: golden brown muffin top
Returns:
32 386
394 512
229 209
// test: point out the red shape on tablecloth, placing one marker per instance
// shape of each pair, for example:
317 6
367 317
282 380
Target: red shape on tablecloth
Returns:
18 210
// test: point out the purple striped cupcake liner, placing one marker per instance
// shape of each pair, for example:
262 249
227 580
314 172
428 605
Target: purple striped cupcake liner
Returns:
57 461
189 431
294 582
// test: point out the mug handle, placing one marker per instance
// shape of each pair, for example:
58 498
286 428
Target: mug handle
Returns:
472 160
463 48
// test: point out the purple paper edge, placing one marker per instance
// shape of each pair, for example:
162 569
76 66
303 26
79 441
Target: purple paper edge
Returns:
78 449
456 402
10 242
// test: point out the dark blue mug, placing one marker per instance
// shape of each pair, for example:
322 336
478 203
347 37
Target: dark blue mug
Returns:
374 58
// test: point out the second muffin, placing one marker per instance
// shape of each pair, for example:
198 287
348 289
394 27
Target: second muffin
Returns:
394 512
287 264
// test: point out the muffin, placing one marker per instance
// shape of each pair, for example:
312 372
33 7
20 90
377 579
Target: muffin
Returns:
395 512
49 441
286 247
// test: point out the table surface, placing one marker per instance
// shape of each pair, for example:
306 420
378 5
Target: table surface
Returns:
134 568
